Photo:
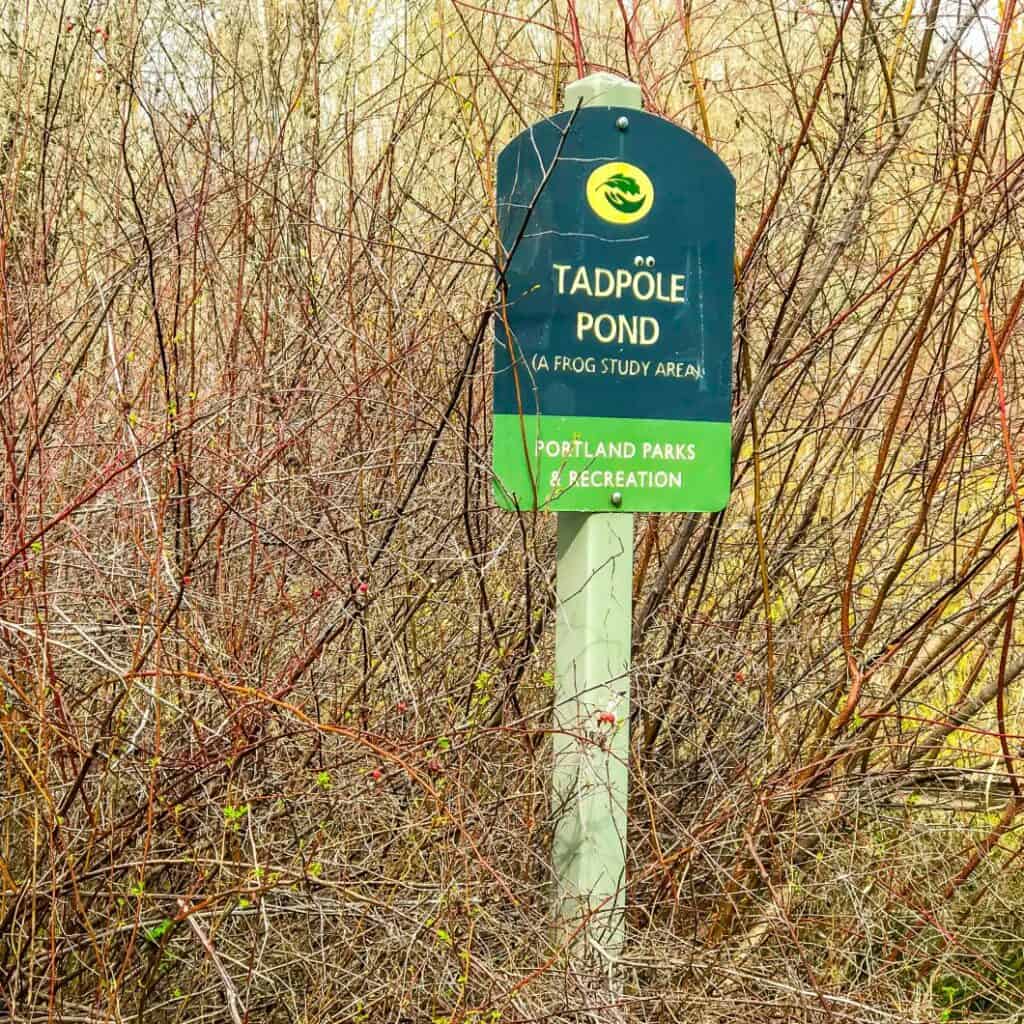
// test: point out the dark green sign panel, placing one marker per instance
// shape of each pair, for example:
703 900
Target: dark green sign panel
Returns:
613 353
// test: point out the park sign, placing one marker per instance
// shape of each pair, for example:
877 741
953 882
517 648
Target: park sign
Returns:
613 335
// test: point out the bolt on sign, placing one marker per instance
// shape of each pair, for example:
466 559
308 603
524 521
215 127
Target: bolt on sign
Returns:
613 339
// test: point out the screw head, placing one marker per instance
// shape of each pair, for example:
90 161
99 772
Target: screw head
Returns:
622 123
616 498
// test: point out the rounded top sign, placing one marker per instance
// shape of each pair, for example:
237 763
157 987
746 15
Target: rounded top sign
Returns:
613 344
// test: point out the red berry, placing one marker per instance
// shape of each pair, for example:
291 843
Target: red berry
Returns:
186 580
363 588
434 765
606 718
402 706
741 676
376 775
318 592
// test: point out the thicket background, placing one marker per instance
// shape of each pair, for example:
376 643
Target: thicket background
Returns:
277 674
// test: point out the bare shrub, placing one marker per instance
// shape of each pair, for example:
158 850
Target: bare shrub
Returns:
276 673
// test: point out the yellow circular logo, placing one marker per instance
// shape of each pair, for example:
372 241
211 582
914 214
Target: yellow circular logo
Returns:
620 193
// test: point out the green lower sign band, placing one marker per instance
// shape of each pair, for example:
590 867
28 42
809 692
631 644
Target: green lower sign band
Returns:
596 464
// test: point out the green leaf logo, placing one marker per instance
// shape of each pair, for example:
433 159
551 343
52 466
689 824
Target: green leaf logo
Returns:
620 193
618 189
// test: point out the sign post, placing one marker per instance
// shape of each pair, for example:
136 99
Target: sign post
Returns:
612 395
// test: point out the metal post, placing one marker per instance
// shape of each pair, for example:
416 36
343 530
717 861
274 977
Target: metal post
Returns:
592 657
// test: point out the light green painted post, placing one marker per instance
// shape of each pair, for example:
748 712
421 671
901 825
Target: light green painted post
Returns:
591 757
592 656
